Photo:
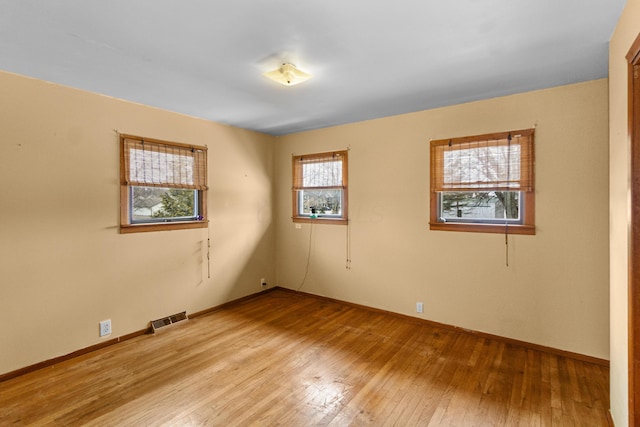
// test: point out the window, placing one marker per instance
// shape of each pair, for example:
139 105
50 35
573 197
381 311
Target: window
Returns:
484 183
320 187
163 185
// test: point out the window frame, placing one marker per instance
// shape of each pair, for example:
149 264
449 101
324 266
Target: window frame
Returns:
297 188
126 223
527 227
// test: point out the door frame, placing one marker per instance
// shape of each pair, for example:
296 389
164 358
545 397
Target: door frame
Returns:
633 58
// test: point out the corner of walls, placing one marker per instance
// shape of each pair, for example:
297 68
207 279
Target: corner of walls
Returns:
62 259
461 277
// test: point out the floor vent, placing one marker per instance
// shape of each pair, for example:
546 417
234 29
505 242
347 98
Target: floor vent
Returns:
168 321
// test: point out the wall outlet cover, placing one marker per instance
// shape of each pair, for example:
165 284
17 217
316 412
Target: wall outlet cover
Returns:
105 327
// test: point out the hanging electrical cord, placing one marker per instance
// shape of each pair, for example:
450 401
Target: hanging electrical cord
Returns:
306 270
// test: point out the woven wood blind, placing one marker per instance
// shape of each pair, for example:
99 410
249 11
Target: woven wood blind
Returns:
494 162
159 164
319 171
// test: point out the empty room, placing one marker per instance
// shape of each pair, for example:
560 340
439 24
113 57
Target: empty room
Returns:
320 213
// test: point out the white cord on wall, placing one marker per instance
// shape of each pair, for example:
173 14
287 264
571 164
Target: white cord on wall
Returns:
306 270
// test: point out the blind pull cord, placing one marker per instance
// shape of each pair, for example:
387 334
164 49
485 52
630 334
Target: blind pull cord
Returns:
507 203
506 243
348 262
208 254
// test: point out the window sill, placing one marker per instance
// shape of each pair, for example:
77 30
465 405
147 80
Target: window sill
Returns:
484 228
321 220
162 226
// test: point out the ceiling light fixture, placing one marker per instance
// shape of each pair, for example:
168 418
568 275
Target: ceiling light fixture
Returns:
288 75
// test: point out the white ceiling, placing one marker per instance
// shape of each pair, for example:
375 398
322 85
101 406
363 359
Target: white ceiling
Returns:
369 58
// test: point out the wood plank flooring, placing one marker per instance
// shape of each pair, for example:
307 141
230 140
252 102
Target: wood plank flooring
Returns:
290 359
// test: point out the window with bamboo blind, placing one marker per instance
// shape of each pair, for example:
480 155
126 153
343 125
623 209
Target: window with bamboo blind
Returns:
484 183
163 185
320 187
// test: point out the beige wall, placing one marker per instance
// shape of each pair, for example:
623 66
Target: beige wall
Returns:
627 30
555 291
65 267
63 264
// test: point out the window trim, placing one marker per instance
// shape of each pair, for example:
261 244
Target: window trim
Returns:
528 195
126 226
336 220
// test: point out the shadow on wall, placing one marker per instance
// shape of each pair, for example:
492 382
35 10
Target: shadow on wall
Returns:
241 205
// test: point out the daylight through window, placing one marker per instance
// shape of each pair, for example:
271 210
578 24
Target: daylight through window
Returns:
484 183
320 187
163 185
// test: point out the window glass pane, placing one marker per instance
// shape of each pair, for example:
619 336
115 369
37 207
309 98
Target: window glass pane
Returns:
480 206
157 204
320 202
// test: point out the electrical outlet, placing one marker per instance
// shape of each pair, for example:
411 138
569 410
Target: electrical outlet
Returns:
105 327
263 282
419 307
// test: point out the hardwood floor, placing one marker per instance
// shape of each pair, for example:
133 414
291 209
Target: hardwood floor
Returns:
294 360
